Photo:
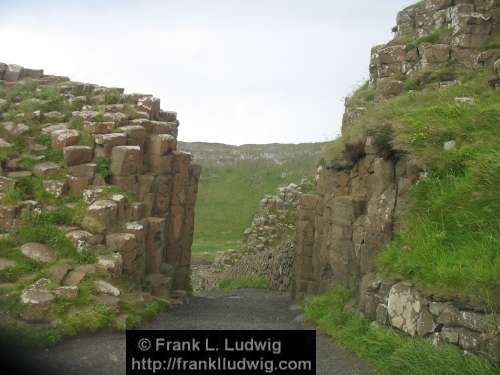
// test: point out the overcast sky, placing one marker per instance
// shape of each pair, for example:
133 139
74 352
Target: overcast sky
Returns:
236 71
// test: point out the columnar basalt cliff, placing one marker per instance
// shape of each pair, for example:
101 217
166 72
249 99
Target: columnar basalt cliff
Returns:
362 193
106 164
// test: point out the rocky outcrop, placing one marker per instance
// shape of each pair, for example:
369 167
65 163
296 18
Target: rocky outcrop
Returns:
428 35
362 193
267 250
402 306
354 214
114 156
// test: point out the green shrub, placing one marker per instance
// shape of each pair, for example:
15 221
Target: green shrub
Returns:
103 168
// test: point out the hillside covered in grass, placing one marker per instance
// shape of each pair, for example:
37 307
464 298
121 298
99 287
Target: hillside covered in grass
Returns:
404 228
229 195
450 235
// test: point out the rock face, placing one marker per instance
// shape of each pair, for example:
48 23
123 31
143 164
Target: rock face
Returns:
267 250
457 31
353 215
139 190
361 195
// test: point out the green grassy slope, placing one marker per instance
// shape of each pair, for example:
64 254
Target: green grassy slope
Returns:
229 196
450 239
386 350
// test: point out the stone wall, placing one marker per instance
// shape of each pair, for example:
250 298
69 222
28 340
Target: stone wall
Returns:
268 248
402 306
147 222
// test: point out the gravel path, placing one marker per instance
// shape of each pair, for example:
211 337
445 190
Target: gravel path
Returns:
104 353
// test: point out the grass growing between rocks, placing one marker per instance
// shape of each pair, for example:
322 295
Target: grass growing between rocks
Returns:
245 283
449 243
385 349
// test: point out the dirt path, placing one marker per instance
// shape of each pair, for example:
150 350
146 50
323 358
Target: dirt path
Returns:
104 353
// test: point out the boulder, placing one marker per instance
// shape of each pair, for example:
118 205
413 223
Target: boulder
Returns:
67 292
103 287
15 130
83 239
54 116
87 170
54 187
450 145
110 265
155 245
35 304
32 73
76 276
3 69
86 115
74 155
465 100
46 169
4 144
106 142
107 300
159 285
150 105
6 183
58 271
48 130
101 216
404 307
432 54
392 55
126 160
104 127
161 144
19 174
136 135
126 245
6 263
13 73
64 138
388 88
167 116
78 184
118 118
38 252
